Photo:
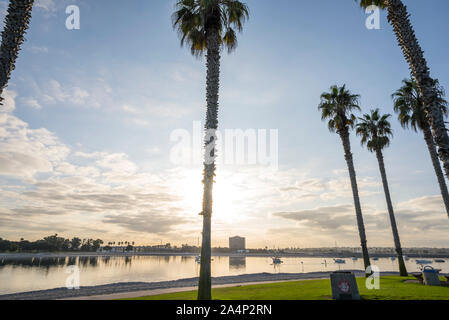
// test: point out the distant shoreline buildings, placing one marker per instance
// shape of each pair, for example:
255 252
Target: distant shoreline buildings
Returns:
237 244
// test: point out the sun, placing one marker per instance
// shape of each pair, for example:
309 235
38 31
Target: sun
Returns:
226 200
225 196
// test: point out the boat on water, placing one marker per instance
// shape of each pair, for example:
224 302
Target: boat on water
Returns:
392 258
277 260
423 261
355 259
376 259
440 261
198 259
406 258
340 261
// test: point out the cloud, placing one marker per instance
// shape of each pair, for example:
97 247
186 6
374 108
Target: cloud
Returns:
129 109
149 222
25 152
140 122
31 102
46 5
158 109
421 221
424 214
308 185
38 49
96 93
92 94
328 189
9 104
323 218
78 188
54 93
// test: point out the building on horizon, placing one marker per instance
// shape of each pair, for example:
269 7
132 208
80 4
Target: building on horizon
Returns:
237 243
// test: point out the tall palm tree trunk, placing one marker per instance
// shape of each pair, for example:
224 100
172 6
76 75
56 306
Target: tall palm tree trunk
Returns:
399 19
16 24
394 227
355 192
212 88
437 166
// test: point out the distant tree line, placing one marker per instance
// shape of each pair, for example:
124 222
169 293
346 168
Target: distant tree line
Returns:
51 244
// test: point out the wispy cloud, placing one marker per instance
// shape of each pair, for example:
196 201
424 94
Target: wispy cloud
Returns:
47 5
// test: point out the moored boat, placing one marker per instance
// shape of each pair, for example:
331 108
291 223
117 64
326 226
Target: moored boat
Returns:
423 261
277 260
340 261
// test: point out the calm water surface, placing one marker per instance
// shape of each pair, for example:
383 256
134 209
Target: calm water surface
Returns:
31 274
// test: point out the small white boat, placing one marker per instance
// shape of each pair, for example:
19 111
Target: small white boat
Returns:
340 261
440 261
423 261
277 260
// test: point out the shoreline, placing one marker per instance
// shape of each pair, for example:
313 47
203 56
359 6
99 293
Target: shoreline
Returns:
145 288
27 255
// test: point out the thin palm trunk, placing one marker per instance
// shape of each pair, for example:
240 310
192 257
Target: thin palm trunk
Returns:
394 227
437 166
355 192
16 24
212 89
399 19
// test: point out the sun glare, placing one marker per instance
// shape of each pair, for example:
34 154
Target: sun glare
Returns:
225 197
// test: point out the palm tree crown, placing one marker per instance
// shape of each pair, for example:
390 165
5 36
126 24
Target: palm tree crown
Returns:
409 105
375 130
337 107
366 3
194 18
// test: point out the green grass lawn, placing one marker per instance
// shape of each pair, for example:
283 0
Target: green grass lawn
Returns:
391 288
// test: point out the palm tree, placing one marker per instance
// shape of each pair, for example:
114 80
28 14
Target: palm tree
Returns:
399 19
375 131
337 106
16 23
409 105
208 26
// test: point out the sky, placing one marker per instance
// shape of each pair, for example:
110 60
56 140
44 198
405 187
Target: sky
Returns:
87 130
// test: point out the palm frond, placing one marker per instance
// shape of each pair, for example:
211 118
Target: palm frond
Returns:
194 18
409 105
337 106
366 3
375 130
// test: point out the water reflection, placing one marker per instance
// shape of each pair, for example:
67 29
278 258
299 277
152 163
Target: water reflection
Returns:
237 263
45 263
